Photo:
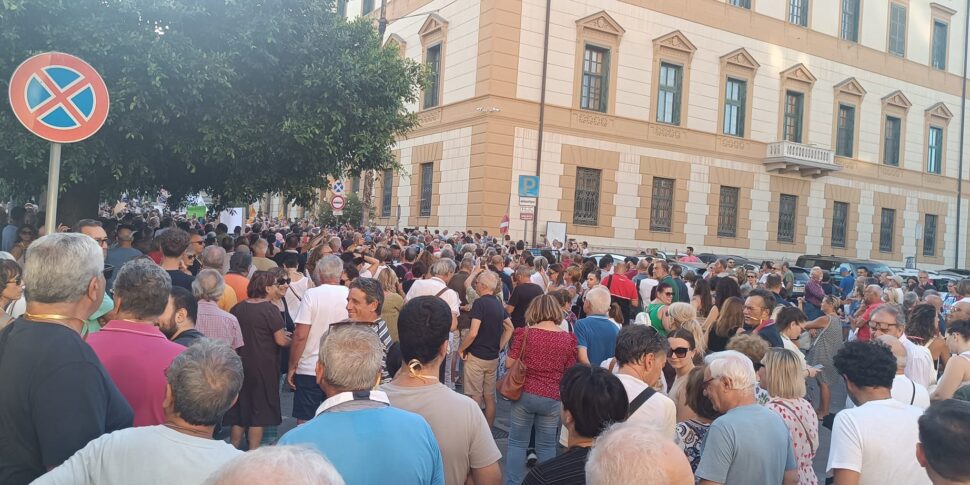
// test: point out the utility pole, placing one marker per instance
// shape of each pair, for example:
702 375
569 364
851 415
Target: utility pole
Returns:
366 199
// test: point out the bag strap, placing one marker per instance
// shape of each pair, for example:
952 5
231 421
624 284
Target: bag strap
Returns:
912 399
804 428
640 400
442 292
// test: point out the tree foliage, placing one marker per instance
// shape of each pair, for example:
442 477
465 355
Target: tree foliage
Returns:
352 213
232 97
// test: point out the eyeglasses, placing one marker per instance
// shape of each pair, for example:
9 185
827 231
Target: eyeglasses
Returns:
752 308
758 366
668 293
707 382
679 352
200 243
880 327
101 241
282 281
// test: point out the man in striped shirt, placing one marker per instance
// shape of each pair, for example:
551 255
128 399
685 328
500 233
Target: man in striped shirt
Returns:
211 320
364 304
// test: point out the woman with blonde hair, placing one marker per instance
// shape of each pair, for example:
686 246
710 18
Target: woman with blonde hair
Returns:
683 315
783 377
393 301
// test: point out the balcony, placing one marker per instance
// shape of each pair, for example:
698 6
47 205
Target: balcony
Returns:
807 161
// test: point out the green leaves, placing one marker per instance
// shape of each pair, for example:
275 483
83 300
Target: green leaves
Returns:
235 98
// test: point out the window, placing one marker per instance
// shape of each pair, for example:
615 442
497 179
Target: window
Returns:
355 184
342 8
890 147
427 176
887 230
366 7
433 60
840 218
897 29
668 94
939 45
929 235
934 153
740 3
587 206
850 20
798 12
734 94
661 204
387 193
844 141
727 212
596 83
786 218
794 106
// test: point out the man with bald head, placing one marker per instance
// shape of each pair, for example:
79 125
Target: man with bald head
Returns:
904 389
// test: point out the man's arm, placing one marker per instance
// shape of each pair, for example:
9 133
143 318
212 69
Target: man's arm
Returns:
297 346
841 476
490 475
583 356
507 330
472 333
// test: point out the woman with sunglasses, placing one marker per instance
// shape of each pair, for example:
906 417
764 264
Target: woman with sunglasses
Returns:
25 235
263 330
655 313
680 356
13 289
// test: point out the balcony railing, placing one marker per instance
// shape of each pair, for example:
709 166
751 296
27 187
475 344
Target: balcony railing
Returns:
807 161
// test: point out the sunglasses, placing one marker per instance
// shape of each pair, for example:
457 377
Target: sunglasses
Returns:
668 293
758 366
679 352
102 241
282 281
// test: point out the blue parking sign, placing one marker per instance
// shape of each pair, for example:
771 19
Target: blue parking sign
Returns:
528 186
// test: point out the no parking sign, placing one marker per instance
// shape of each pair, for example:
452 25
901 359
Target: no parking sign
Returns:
61 99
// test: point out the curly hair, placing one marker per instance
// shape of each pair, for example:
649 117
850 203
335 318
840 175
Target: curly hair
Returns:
866 364
755 347
921 322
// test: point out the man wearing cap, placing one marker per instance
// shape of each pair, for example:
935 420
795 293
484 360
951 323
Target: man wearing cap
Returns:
848 281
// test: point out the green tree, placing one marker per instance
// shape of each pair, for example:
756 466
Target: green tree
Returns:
232 97
352 212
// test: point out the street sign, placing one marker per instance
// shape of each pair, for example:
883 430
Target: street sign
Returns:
527 216
528 186
527 201
338 213
338 187
59 97
337 203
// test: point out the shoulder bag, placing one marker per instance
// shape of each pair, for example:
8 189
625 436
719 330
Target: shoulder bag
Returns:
510 386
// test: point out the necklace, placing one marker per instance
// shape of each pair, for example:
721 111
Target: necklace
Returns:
57 319
189 431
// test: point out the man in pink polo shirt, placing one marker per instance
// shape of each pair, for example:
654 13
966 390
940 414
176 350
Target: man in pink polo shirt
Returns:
133 350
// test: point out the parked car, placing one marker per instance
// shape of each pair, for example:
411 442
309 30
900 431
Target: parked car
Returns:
709 258
833 264
798 286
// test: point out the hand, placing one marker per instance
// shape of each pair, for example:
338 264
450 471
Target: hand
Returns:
464 356
811 371
289 378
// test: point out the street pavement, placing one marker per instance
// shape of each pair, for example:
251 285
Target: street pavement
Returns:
504 412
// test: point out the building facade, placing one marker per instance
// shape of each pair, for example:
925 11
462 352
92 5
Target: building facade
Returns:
763 128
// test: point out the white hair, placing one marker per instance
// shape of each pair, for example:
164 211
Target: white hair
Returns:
329 268
599 300
351 357
627 453
59 267
209 285
442 267
278 465
734 367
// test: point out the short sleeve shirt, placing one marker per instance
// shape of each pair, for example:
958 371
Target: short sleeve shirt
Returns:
492 316
597 334
730 453
520 299
322 306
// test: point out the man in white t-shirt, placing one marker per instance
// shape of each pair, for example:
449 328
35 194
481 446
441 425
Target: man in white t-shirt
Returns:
641 354
437 285
874 443
888 319
203 383
321 306
904 389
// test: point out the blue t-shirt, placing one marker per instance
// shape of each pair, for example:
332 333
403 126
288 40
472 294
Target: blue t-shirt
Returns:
382 445
846 286
597 334
729 455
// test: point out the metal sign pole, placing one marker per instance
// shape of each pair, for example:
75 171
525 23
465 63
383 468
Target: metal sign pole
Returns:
53 186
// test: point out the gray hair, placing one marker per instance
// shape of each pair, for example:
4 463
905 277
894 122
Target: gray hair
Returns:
523 272
214 257
628 453
143 288
59 267
599 301
489 279
442 267
329 268
447 253
893 310
352 357
278 465
735 367
209 285
962 288
205 380
540 263
81 224
467 263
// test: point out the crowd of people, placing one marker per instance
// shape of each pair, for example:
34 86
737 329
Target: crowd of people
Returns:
131 344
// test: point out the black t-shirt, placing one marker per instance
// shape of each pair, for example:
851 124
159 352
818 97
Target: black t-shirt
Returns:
181 279
520 298
490 311
568 468
187 337
56 397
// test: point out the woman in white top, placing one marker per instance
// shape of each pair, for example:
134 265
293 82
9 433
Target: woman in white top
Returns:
957 371
298 284
791 323
540 277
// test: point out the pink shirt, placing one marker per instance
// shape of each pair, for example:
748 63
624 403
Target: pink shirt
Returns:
136 356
